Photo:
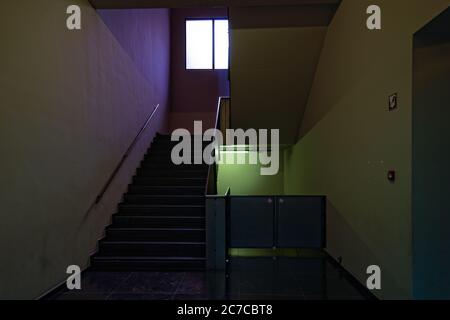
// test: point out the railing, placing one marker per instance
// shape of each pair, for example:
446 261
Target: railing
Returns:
223 122
125 156
227 242
277 221
227 224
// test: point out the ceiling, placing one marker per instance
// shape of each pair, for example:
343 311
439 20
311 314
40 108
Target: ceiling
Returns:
116 4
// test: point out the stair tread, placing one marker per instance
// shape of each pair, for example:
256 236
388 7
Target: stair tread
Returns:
171 178
152 242
160 224
193 166
163 205
154 229
164 217
147 258
175 173
167 195
168 187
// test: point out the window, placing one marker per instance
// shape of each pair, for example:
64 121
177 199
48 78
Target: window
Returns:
221 44
207 44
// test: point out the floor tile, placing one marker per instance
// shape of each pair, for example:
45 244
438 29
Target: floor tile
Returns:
341 288
99 282
193 283
184 296
80 296
139 296
249 279
271 297
332 298
151 282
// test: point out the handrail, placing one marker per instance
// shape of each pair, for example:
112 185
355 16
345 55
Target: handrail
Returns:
213 167
127 153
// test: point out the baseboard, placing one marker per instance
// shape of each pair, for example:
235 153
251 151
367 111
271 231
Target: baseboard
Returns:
355 282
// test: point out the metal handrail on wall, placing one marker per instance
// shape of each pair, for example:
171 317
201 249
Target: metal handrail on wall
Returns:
125 156
223 122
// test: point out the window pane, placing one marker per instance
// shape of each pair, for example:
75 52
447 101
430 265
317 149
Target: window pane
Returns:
221 44
199 44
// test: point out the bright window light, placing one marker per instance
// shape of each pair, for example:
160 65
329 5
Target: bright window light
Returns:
207 44
221 44
199 41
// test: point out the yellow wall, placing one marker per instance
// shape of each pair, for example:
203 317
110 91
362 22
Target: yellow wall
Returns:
272 69
349 140
246 179
71 103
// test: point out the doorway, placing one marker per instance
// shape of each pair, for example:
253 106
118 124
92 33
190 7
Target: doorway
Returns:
431 159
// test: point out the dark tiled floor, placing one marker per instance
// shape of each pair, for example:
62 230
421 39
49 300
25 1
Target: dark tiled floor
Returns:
249 279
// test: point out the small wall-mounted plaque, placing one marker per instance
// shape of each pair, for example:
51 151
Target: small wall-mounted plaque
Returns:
393 102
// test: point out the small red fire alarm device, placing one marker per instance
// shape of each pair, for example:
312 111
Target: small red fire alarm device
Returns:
391 176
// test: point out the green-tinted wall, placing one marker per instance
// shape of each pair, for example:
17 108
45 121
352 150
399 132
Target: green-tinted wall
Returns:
349 140
247 180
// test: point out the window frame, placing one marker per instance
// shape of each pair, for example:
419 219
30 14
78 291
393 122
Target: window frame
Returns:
213 42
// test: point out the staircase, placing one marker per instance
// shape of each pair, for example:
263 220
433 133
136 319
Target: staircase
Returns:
160 225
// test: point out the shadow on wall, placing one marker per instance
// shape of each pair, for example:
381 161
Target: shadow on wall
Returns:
71 104
340 231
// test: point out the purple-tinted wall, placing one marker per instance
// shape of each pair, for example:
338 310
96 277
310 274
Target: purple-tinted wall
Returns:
144 34
193 93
